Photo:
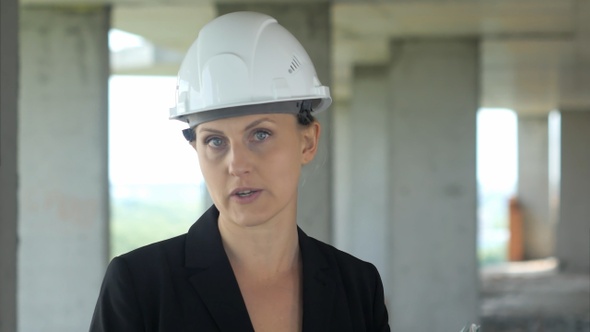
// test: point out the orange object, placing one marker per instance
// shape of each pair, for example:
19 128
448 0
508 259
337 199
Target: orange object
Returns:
515 244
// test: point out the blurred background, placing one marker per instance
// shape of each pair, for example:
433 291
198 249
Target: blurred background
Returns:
455 156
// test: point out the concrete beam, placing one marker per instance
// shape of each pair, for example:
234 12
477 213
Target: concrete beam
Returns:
523 73
9 69
349 53
169 26
63 198
423 19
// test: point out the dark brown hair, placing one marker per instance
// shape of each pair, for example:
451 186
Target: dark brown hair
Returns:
304 117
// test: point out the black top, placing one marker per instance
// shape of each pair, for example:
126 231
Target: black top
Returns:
187 284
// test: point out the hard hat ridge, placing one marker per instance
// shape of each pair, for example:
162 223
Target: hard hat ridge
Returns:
245 63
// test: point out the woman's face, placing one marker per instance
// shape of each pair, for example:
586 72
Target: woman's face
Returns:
252 163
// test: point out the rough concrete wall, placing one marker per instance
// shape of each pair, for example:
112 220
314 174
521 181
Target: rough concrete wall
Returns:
63 195
8 163
574 74
573 229
310 24
533 186
433 265
342 173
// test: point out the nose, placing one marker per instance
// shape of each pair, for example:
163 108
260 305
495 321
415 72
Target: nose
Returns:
240 160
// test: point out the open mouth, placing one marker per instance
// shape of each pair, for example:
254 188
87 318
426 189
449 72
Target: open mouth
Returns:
245 193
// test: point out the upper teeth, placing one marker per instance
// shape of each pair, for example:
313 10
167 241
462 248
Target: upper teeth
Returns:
243 193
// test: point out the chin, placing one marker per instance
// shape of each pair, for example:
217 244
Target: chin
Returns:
245 215
255 214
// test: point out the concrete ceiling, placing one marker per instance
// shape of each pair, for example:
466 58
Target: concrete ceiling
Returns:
525 44
522 43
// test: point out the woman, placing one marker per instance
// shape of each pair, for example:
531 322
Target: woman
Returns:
248 91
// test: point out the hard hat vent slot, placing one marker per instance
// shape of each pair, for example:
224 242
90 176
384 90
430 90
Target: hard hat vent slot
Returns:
295 64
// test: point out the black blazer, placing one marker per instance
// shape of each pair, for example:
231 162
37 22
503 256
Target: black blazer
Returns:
187 284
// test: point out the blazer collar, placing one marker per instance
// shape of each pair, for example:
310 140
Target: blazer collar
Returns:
210 273
319 285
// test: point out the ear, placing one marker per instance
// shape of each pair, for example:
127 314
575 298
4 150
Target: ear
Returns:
310 141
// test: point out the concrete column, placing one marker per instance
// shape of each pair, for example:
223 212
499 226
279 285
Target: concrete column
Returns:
63 198
533 185
310 24
573 228
433 265
574 74
364 232
572 246
8 163
342 174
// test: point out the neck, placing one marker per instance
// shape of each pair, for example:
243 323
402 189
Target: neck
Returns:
265 251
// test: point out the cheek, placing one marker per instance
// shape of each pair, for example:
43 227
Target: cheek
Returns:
208 168
284 165
289 157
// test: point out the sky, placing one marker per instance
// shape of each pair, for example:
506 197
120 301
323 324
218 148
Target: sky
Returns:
497 150
145 147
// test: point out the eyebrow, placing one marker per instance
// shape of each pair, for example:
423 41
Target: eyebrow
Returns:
248 127
257 122
211 130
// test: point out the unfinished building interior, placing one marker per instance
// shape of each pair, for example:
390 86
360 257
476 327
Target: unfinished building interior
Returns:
395 182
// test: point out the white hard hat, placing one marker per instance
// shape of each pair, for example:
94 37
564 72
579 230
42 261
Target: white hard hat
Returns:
245 63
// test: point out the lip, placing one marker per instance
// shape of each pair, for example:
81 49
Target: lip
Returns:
245 200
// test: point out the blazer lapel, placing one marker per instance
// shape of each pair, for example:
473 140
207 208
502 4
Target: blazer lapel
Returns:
211 275
319 286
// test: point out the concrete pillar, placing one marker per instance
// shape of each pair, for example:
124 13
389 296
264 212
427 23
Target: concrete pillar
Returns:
433 264
572 246
573 228
342 174
574 74
8 163
363 231
63 198
309 22
533 185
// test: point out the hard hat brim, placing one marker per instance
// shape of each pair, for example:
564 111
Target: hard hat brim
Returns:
282 107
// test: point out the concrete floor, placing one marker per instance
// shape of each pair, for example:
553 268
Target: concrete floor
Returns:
534 297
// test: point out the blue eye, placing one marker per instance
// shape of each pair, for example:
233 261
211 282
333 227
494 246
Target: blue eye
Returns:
261 135
214 142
